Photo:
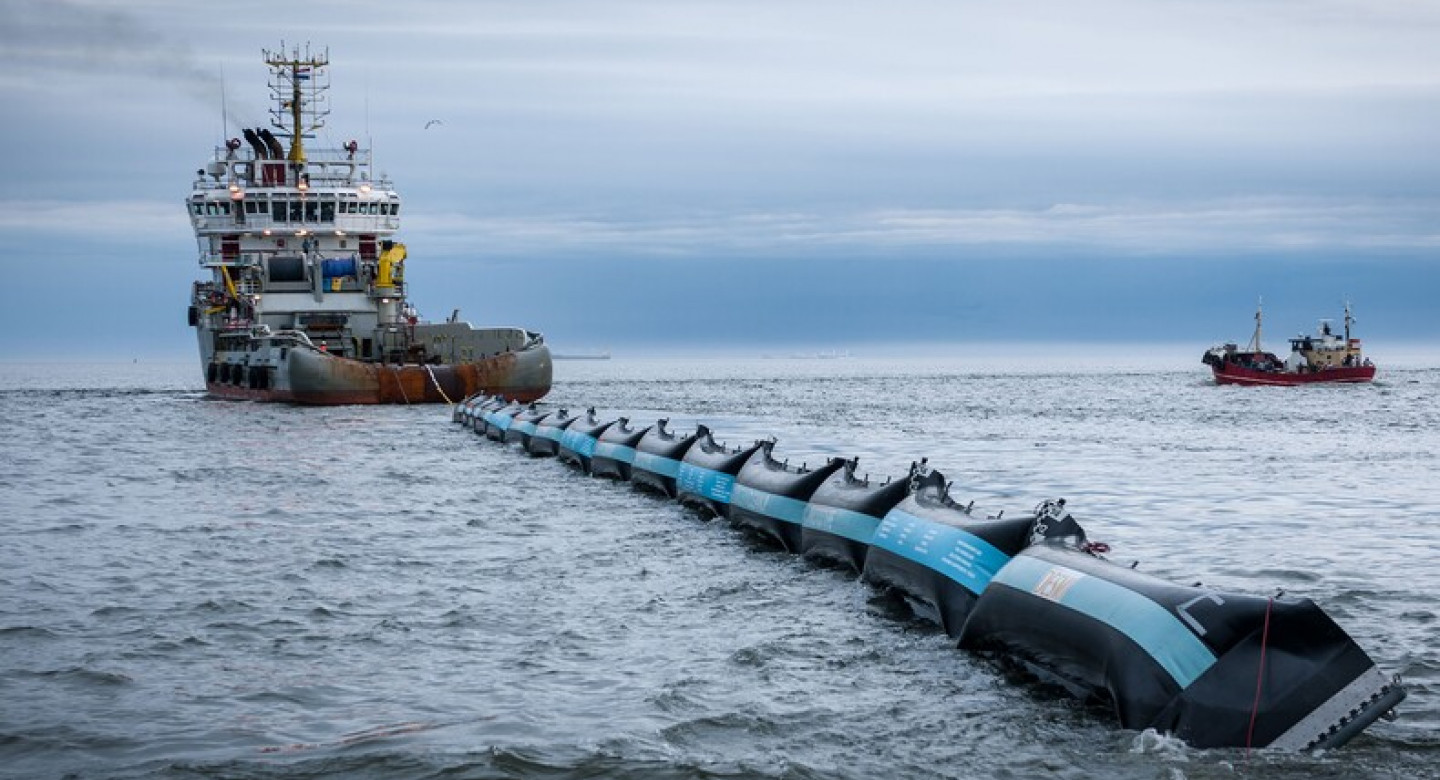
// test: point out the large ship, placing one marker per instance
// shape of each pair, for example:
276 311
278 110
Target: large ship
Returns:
1324 358
306 300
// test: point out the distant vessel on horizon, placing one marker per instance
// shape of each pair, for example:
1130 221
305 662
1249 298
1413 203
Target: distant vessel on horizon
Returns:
825 354
306 300
1323 359
582 355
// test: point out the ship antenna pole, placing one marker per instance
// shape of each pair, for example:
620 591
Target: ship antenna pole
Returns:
224 113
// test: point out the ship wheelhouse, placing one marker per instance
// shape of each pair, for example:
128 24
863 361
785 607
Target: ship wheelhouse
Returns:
1327 350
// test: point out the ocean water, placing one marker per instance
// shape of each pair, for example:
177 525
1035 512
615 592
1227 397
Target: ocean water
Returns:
195 588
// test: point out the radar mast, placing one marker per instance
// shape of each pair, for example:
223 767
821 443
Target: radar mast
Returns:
298 83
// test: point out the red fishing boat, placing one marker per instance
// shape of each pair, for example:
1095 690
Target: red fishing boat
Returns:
1325 358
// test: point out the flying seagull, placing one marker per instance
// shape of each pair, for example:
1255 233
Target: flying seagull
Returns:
433 122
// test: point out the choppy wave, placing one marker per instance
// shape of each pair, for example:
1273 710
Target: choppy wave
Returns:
202 589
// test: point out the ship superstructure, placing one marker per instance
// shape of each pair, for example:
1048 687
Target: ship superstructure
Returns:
306 298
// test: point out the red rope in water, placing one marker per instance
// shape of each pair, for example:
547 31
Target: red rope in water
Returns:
1259 677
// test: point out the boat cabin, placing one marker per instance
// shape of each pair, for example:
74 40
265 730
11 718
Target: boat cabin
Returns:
1327 350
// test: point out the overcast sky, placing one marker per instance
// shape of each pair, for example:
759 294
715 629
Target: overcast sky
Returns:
684 173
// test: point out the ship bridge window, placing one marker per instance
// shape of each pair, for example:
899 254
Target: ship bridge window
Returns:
297 211
327 211
251 207
277 210
395 209
311 210
197 209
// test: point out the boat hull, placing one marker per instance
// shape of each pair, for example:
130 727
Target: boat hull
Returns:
1231 374
314 377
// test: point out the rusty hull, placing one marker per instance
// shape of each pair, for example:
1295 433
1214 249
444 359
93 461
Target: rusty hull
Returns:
319 378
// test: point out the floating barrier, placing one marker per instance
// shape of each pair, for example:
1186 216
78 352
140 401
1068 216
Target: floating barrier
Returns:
706 478
486 412
522 427
770 497
577 444
546 440
498 421
1215 669
614 454
658 455
841 517
935 553
464 411
471 412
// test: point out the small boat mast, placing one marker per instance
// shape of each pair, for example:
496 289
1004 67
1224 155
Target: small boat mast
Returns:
1255 339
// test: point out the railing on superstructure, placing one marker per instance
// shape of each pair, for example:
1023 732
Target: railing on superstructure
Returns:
250 284
343 167
328 194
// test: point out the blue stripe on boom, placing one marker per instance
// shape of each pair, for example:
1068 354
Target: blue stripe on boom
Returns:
953 552
549 432
784 508
1154 628
501 421
841 522
526 427
701 481
657 464
613 451
578 443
